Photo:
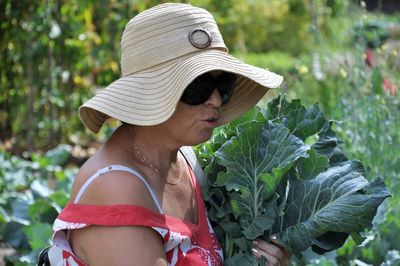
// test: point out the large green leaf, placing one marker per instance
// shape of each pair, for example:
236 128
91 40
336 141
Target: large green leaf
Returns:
287 175
221 135
301 122
259 152
311 166
277 108
337 200
328 145
255 114
329 241
261 222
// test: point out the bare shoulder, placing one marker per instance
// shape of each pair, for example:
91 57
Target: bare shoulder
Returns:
110 188
119 245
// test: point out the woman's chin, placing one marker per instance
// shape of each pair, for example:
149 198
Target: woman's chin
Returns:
204 136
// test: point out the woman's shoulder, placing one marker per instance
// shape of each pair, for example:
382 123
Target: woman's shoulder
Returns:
106 182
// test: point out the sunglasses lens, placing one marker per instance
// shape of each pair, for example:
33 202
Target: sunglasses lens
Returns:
201 89
226 84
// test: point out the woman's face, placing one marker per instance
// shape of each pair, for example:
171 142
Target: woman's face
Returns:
193 124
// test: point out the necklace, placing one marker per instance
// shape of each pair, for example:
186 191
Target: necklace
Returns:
143 160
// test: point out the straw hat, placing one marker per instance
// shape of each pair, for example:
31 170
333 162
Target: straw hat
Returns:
163 49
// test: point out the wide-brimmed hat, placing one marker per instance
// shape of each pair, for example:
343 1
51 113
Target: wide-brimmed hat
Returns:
163 50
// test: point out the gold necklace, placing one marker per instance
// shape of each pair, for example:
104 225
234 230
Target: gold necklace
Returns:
143 160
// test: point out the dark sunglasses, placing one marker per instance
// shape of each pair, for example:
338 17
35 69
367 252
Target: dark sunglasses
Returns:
201 89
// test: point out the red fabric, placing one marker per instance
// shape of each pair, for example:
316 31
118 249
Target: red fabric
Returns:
66 255
204 244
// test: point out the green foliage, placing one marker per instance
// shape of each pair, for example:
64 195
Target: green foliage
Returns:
33 193
55 54
279 62
330 207
265 180
355 93
370 131
374 33
52 54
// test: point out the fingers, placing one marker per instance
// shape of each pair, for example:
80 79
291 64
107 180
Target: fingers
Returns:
275 241
272 261
273 252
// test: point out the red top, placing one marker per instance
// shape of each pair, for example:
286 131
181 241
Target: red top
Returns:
185 243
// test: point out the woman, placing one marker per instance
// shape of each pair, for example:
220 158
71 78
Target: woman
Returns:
137 200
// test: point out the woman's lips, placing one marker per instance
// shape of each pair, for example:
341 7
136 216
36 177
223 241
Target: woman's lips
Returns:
212 119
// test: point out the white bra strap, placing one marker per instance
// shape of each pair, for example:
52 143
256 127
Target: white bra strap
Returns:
190 156
117 168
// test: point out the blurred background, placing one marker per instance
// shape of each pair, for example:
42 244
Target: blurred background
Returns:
54 54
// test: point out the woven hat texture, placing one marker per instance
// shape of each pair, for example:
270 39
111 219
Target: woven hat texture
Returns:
163 49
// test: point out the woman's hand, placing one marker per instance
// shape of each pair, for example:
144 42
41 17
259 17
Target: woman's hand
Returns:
275 254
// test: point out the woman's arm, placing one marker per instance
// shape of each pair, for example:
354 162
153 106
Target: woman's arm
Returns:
117 245
122 245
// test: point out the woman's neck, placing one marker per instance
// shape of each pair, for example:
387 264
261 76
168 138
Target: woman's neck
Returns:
148 145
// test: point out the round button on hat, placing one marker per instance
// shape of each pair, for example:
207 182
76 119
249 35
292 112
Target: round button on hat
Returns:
163 49
199 38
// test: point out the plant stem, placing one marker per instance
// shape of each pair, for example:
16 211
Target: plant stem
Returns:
255 198
283 205
228 246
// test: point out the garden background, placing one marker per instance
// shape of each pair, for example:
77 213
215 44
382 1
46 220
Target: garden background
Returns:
54 54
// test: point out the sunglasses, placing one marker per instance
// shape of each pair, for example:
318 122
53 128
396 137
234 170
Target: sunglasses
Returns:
201 89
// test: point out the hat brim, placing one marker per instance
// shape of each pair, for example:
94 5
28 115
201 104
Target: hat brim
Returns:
149 97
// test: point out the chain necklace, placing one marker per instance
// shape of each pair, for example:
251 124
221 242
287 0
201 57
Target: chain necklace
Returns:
143 160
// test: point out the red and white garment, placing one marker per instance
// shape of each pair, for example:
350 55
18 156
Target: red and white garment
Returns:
185 243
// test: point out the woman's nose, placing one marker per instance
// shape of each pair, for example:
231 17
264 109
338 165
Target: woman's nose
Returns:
214 100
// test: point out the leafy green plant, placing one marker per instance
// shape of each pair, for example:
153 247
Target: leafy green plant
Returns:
373 32
281 171
370 132
33 193
277 61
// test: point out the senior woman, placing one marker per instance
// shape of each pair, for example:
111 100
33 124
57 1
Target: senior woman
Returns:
137 200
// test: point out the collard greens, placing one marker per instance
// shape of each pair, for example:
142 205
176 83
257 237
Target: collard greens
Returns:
281 171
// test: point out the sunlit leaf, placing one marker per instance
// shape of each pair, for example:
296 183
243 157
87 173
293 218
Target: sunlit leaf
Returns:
337 200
